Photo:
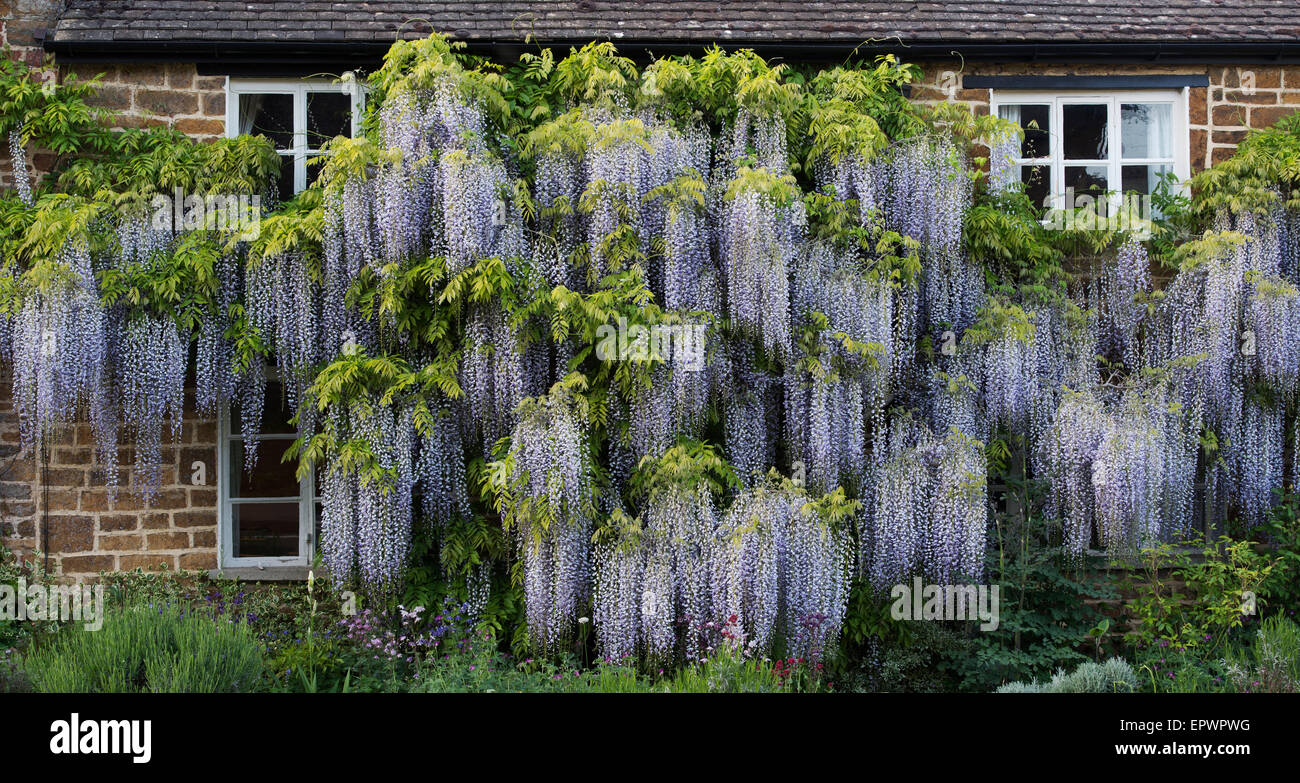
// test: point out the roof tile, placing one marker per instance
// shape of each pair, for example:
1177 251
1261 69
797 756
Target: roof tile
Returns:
682 21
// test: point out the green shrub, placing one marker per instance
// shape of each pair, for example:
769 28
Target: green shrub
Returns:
497 673
482 669
14 634
729 669
12 678
1281 590
1273 664
150 650
1113 676
1190 597
1021 687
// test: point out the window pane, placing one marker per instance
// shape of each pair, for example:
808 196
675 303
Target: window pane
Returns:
1085 179
270 478
315 165
268 114
265 529
1143 179
284 182
1084 134
1035 120
1038 184
275 413
1146 130
329 114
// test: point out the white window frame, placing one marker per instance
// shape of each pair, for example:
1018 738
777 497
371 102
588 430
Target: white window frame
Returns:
270 446
1056 162
298 88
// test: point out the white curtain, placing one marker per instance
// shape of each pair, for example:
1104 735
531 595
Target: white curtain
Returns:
249 105
1010 112
1147 130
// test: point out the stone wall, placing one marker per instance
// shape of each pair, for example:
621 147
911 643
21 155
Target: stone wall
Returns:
21 22
156 94
1246 97
57 503
18 488
139 94
142 95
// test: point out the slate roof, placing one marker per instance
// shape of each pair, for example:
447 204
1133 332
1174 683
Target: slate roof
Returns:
366 22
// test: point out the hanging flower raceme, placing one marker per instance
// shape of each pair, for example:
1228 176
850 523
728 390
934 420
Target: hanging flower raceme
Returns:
492 373
1004 150
1254 458
620 580
1009 381
758 134
636 594
1272 321
655 574
681 379
760 236
283 302
546 493
1122 280
347 246
1225 322
440 476
929 510
476 219
751 405
151 375
782 571
22 175
367 498
852 179
1122 474
826 398
215 375
690 277
64 342
925 193
856 303
1004 360
954 403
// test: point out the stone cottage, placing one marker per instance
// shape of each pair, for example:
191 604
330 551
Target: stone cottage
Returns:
1112 96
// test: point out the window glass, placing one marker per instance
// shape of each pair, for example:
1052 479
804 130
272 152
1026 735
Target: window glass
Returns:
270 478
263 507
284 181
315 165
275 413
1038 184
298 118
268 114
1086 179
1146 130
1083 131
1068 148
1036 121
1144 179
265 529
329 114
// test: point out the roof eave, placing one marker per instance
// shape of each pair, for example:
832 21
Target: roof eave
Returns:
294 53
